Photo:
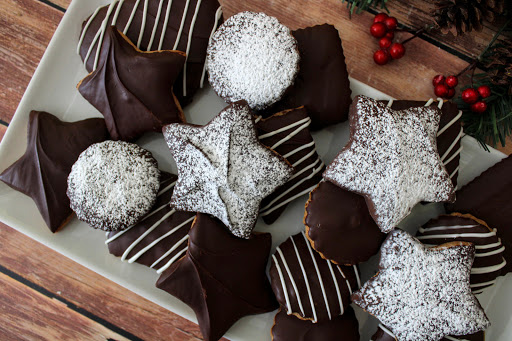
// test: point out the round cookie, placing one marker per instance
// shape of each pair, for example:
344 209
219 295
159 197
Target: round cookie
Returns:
113 184
252 57
288 327
307 286
339 225
489 251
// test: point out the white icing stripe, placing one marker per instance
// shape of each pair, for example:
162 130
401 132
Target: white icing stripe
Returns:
86 27
306 280
102 34
451 338
443 228
387 331
143 24
168 252
305 169
357 276
288 127
281 278
142 236
340 300
162 191
117 235
218 14
288 200
292 134
482 284
390 103
459 235
172 260
304 158
454 172
297 294
488 246
129 22
183 18
489 269
346 280
449 124
155 25
445 155
304 146
429 102
319 276
453 156
116 14
164 27
440 104
257 119
490 253
190 32
89 51
156 241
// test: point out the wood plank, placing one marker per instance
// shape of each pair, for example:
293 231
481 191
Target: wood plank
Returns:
27 314
61 3
91 291
3 129
26 27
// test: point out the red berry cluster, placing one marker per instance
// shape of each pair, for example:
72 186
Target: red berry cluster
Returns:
473 96
383 28
444 87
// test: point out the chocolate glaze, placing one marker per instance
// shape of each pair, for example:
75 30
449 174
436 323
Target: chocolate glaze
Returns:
221 277
278 121
322 83
290 328
488 198
339 225
204 24
342 277
132 107
118 246
53 147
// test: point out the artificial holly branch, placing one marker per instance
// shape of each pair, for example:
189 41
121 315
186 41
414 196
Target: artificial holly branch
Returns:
362 5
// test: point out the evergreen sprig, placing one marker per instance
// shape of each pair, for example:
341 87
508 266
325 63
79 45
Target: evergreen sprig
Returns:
362 5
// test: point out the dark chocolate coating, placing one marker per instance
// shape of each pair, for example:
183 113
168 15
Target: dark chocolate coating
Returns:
322 83
488 198
290 328
221 277
204 24
340 226
342 277
278 121
132 89
53 147
118 246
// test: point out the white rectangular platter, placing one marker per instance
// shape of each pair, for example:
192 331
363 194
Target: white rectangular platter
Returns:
53 89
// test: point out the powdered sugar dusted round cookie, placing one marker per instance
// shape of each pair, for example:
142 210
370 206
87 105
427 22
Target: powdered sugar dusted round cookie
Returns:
252 57
113 184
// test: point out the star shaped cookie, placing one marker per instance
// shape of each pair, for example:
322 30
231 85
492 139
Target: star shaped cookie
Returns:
221 277
392 160
53 147
223 169
133 89
423 293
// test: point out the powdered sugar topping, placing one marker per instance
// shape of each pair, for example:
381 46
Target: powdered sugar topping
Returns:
252 57
113 184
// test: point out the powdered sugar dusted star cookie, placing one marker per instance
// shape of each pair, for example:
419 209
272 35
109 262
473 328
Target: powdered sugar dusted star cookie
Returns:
392 160
423 293
223 169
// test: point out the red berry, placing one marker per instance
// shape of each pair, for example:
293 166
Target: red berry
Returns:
484 91
378 30
451 81
470 96
441 90
451 93
390 35
380 17
381 57
391 23
384 43
479 107
397 50
439 79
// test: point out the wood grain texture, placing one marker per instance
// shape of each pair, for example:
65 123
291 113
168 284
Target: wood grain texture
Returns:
3 129
29 315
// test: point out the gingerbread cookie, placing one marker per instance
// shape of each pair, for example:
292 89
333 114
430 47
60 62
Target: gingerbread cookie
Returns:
159 238
489 250
43 170
223 169
113 184
308 286
184 25
287 133
288 327
392 160
252 57
221 277
132 107
423 293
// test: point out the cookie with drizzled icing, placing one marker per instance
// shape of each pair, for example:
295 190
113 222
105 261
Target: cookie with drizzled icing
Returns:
152 25
287 133
160 238
308 286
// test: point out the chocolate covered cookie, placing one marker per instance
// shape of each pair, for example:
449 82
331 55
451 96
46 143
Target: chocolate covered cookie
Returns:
113 184
221 277
287 133
184 25
252 57
160 237
53 146
308 286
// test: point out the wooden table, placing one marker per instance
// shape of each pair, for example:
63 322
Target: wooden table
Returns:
44 295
